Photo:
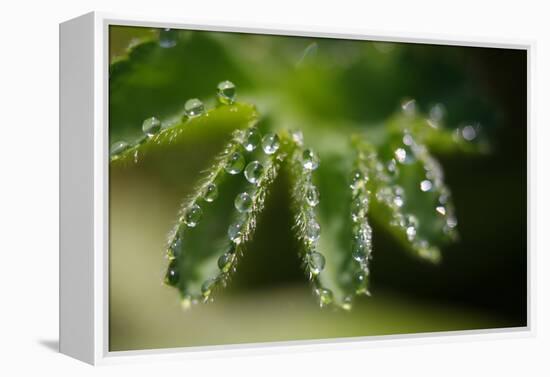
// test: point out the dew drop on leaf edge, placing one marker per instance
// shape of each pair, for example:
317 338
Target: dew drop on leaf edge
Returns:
359 252
225 261
347 303
151 126
235 163
207 286
119 147
243 202
226 92
361 282
312 195
252 138
316 262
193 215
253 172
234 232
270 143
172 275
176 248
411 232
210 192
313 231
310 159
325 296
426 185
193 108
404 155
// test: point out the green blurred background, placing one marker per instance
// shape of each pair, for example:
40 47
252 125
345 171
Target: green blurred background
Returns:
482 280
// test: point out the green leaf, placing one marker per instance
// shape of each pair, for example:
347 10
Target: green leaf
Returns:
217 221
331 223
155 81
183 134
410 198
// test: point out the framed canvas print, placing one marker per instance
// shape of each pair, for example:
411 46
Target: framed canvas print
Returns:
234 189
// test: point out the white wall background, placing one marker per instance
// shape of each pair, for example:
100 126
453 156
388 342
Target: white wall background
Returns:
29 184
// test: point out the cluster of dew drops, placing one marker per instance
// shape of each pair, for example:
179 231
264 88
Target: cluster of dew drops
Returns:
315 261
193 108
408 153
235 163
361 251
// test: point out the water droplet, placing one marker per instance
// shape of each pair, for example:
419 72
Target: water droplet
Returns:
312 196
193 215
207 287
172 275
270 143
168 38
210 193
252 138
400 154
235 163
347 303
469 133
398 201
441 210
243 202
119 147
225 261
193 108
151 126
408 139
409 107
361 282
253 172
404 155
316 262
426 185
325 296
226 92
234 232
359 251
357 180
176 248
313 231
310 159
411 233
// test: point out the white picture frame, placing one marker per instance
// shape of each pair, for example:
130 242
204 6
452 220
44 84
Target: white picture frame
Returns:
84 225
